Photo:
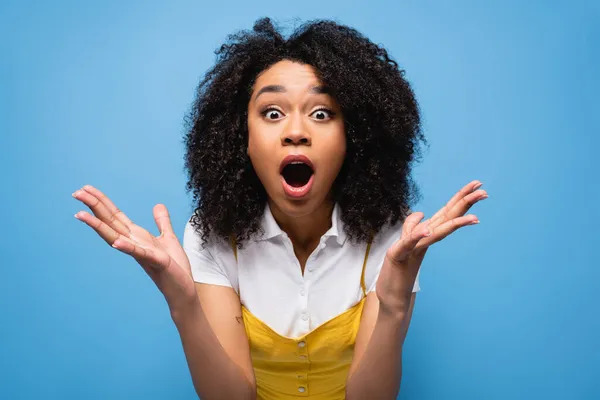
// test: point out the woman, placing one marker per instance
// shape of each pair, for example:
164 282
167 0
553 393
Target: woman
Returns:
299 267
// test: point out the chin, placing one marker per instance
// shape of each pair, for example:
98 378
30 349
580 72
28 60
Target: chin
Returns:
296 208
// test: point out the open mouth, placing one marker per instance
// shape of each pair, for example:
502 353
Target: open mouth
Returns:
297 174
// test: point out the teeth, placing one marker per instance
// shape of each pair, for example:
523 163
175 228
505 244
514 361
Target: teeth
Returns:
296 162
297 189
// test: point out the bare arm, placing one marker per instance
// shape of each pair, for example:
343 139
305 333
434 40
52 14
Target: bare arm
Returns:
216 346
208 317
376 369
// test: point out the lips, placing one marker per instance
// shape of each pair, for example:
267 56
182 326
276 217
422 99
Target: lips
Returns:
295 158
297 175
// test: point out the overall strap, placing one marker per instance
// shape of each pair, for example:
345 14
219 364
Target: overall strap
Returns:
364 267
233 246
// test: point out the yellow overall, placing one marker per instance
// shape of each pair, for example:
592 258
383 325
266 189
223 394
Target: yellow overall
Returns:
314 365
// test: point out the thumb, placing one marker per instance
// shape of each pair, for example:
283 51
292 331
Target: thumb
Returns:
401 250
162 219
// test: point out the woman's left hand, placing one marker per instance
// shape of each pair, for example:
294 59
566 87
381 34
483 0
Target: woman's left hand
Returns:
404 257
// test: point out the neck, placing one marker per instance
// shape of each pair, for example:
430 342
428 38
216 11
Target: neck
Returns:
307 229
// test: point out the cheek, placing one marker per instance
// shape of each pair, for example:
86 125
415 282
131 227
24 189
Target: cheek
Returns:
260 134
253 140
258 150
337 147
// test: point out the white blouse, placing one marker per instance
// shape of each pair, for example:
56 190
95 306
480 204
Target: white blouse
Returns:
269 280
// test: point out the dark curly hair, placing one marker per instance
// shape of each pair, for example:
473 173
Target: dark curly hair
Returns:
381 118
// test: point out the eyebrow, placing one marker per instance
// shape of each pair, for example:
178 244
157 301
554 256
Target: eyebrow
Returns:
281 89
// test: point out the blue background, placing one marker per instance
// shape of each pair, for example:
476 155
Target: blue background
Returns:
96 92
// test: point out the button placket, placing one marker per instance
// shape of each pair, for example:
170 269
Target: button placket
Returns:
310 267
289 247
302 373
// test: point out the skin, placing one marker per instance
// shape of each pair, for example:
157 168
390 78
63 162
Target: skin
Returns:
214 341
296 119
376 369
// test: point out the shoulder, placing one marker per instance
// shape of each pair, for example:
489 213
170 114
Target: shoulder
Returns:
387 235
212 261
382 241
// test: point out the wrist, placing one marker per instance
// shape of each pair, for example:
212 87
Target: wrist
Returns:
394 289
393 307
185 311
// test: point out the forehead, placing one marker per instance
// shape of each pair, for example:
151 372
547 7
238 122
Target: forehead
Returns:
292 75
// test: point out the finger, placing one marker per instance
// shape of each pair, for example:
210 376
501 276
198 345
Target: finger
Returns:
443 213
101 211
143 255
468 188
401 250
440 232
120 215
102 229
163 220
463 205
410 222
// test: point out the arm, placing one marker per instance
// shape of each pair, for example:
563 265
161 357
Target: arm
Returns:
215 345
212 331
376 368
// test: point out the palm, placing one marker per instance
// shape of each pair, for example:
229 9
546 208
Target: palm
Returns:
162 257
418 235
164 245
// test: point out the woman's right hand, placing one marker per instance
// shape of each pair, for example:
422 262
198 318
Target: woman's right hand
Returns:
162 257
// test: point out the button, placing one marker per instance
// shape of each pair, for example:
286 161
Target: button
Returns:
305 317
300 376
301 389
303 357
302 292
301 344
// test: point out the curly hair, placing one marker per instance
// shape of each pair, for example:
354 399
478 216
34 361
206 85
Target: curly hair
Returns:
381 119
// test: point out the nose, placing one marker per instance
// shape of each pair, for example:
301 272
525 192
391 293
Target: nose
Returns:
295 133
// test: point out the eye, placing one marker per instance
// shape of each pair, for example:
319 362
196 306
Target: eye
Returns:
272 114
322 114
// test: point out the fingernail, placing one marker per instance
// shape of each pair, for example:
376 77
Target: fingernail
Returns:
474 222
427 232
477 186
76 215
75 193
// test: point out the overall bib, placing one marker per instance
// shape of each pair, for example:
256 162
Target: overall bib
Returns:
314 365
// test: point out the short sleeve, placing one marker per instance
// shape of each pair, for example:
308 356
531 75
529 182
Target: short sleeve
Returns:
381 243
205 268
